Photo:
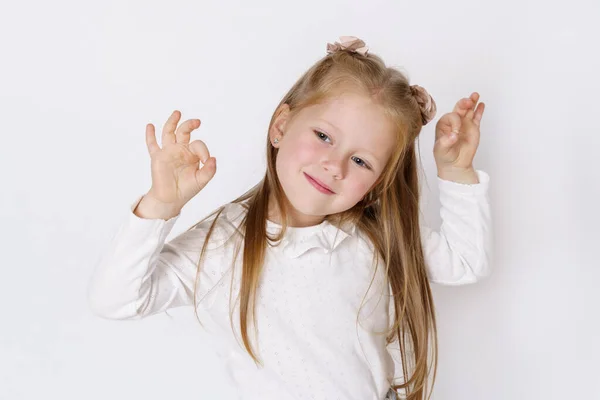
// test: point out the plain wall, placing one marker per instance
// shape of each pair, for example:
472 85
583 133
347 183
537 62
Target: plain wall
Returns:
80 80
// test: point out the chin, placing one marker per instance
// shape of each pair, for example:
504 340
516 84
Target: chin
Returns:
305 204
309 204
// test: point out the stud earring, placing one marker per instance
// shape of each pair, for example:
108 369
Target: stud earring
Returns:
276 140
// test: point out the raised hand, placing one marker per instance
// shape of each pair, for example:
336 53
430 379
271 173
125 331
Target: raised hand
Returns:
177 175
456 152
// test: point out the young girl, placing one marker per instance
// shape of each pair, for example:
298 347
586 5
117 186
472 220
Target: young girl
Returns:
316 282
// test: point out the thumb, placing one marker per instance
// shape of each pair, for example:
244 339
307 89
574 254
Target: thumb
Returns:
206 173
445 143
454 121
450 122
450 139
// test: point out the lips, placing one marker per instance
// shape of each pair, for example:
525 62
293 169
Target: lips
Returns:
320 186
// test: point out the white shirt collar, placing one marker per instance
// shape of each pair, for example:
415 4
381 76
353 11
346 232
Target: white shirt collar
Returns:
298 240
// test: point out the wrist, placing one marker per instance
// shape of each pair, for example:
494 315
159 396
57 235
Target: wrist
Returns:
459 175
151 208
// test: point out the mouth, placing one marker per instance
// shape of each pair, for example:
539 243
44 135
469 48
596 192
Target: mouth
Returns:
320 186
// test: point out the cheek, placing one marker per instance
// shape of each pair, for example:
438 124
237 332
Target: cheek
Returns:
358 185
298 152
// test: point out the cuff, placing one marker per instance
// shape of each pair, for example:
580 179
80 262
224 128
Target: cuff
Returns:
466 188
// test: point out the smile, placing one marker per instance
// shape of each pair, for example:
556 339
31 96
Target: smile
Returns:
321 187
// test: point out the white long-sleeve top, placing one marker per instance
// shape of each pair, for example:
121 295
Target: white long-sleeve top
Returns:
310 294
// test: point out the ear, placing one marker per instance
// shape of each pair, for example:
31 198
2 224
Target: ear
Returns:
278 127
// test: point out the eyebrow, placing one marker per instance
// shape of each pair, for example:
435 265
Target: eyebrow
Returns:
339 130
330 124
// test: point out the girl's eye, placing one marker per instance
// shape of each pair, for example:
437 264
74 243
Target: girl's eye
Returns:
322 136
360 162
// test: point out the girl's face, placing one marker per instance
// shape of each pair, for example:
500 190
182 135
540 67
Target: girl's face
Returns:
330 155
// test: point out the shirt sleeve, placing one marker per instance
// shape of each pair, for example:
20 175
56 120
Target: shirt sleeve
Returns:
139 274
461 252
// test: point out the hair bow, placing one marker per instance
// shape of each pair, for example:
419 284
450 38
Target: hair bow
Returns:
351 43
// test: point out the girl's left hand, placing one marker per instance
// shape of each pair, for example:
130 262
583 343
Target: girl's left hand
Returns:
457 153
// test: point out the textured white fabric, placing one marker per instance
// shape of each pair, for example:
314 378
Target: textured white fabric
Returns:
310 293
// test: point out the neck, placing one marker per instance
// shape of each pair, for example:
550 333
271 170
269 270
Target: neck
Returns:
295 218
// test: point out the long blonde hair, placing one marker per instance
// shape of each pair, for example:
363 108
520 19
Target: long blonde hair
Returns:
388 214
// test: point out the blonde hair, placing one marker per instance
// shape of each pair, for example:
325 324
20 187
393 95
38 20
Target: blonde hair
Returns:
388 214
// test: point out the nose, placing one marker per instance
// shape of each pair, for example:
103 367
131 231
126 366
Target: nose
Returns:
335 167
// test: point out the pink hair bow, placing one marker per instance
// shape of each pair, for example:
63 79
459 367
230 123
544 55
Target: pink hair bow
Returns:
351 43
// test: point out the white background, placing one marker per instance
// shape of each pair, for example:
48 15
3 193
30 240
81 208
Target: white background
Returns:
80 80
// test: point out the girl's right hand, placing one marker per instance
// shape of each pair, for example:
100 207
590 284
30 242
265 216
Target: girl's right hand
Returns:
176 173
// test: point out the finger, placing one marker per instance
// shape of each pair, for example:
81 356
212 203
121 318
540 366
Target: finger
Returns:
206 173
469 115
183 132
445 142
168 132
449 140
151 139
474 99
462 106
200 150
478 113
454 121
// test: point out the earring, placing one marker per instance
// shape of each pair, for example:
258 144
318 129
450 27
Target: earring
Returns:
276 140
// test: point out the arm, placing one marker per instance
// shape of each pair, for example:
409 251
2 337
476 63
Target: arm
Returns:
461 252
139 274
